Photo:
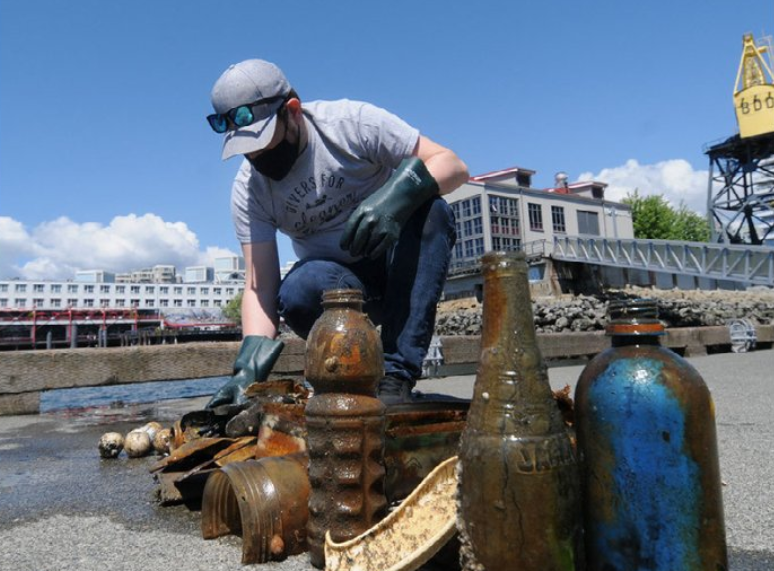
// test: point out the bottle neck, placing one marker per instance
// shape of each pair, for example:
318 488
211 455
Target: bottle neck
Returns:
619 340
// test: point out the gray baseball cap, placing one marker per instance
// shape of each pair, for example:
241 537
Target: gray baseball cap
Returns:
244 83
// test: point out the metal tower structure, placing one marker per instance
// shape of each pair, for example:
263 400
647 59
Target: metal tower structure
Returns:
740 203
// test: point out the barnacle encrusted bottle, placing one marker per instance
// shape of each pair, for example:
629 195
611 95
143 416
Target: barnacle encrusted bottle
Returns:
345 423
645 423
518 489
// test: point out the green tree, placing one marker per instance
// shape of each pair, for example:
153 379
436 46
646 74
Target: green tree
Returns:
691 226
655 219
233 309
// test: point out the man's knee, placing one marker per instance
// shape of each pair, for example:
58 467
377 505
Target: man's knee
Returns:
299 301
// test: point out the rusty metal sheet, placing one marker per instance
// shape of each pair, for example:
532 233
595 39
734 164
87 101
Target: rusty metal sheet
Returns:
282 431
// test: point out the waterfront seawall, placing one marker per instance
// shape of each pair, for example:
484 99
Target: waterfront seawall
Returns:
24 375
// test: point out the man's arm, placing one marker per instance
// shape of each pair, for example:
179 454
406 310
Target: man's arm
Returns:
262 279
443 164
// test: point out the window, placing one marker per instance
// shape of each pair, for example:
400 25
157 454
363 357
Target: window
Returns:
72 302
178 290
134 289
21 288
148 303
191 291
134 302
56 303
216 303
230 291
535 217
38 288
466 208
104 302
120 289
478 226
88 289
104 289
164 290
149 289
20 302
120 302
4 302
468 228
38 302
56 288
163 303
191 303
4 288
89 302
588 223
478 246
205 291
557 219
205 303
476 205
216 290
178 303
469 249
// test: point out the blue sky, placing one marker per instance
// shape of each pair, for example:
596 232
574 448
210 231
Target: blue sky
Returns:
106 159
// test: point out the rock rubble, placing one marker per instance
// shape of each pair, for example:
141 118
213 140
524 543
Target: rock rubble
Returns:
677 308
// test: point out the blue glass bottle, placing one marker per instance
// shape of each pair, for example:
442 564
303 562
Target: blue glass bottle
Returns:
650 474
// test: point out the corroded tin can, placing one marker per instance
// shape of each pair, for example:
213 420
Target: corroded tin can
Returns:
518 492
345 423
645 423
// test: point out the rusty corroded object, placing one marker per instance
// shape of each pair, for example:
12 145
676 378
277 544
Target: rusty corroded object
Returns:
518 490
345 423
282 430
264 501
344 350
419 438
646 433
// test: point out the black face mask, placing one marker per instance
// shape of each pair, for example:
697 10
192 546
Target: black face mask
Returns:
276 163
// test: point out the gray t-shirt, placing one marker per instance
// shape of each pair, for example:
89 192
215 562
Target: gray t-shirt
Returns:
353 149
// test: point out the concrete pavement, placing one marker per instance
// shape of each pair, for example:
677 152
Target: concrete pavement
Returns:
61 507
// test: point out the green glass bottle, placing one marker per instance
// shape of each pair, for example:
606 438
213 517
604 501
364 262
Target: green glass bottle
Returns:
518 490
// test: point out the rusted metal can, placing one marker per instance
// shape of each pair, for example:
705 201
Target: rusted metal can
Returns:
518 492
345 423
645 424
263 500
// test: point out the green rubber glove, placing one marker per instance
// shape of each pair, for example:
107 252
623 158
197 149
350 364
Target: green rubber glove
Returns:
377 223
256 357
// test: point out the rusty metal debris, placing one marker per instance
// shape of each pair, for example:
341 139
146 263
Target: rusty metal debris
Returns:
263 500
418 438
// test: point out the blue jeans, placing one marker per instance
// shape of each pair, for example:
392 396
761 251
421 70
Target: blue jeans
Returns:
401 289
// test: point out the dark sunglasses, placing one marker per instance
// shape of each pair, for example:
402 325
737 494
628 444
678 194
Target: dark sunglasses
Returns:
243 115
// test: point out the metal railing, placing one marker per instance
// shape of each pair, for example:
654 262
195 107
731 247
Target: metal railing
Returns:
751 264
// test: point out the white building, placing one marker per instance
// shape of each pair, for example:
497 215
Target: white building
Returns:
94 276
198 274
229 268
501 211
29 294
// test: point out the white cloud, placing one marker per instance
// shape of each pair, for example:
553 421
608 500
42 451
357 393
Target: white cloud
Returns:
675 179
57 249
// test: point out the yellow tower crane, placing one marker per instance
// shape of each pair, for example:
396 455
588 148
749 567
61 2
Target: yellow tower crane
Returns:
754 91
